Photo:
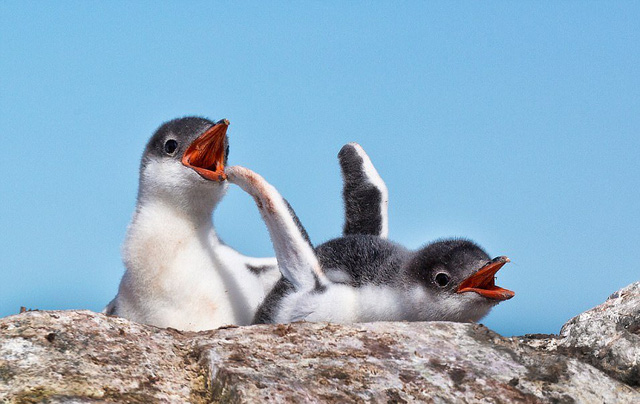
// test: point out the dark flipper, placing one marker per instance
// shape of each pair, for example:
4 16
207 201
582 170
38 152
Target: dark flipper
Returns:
269 307
365 194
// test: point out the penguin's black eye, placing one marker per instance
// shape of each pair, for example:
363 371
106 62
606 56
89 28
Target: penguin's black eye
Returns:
170 146
442 279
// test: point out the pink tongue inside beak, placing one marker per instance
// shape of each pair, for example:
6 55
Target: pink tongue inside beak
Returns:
483 281
205 155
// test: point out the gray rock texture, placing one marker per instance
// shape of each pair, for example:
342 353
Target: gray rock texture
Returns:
607 336
86 357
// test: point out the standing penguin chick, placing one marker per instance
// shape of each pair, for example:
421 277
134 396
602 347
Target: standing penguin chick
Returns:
178 272
380 281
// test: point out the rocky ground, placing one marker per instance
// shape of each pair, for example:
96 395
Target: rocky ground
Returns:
86 357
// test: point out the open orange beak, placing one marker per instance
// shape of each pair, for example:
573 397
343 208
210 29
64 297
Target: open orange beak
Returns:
206 154
483 281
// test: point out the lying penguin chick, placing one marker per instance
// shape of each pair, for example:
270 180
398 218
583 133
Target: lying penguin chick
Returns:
447 280
367 260
178 272
450 280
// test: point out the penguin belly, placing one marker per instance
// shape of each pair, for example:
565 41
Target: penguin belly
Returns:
179 277
340 303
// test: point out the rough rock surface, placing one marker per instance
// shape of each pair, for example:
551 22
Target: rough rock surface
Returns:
82 357
607 336
66 356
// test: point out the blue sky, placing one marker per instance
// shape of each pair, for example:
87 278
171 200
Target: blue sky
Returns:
513 124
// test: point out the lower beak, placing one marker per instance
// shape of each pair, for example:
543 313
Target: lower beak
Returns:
483 281
206 154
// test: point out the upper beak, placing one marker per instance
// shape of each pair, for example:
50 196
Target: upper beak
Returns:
206 154
483 281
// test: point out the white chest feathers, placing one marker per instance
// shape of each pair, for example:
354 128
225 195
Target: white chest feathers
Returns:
180 275
343 304
340 303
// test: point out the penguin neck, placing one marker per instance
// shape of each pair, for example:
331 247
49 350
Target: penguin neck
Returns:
194 206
